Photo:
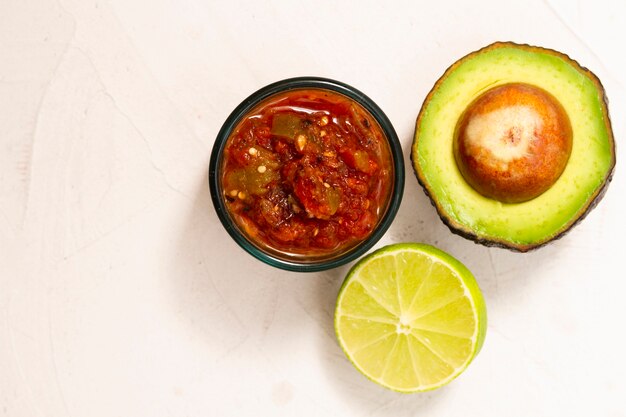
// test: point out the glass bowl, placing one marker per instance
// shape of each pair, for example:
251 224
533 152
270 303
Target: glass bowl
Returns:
298 261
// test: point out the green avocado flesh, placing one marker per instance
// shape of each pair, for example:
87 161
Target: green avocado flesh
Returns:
518 226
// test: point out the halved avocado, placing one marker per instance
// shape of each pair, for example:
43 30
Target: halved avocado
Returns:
484 103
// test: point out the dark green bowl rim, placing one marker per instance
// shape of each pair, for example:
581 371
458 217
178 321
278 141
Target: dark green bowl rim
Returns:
295 84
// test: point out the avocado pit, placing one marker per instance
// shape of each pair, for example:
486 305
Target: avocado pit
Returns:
513 142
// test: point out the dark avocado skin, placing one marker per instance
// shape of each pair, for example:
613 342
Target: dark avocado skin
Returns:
593 201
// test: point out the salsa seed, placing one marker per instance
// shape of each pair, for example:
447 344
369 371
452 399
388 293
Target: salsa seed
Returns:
327 185
324 121
261 169
241 195
233 193
322 133
253 151
316 231
300 142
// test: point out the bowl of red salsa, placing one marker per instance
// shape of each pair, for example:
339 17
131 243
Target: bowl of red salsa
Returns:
306 174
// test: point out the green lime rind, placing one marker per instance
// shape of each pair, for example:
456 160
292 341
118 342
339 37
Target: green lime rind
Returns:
473 294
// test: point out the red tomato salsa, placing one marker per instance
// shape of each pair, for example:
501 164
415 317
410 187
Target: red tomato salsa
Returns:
307 172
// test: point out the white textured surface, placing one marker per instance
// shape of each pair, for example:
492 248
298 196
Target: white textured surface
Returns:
122 295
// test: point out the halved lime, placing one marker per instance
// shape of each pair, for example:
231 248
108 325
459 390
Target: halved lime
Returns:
410 317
